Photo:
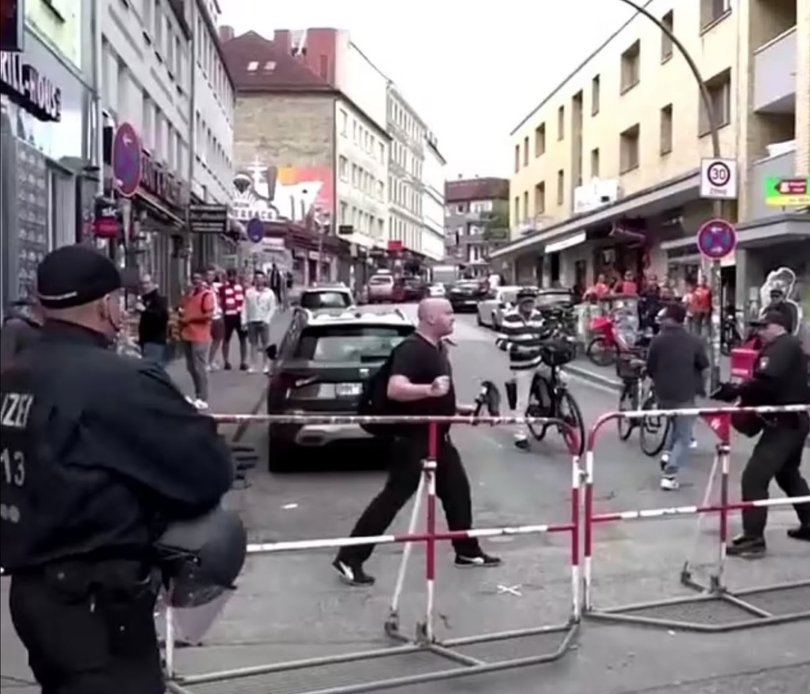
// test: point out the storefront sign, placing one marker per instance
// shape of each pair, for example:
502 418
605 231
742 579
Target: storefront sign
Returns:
207 219
162 184
787 192
24 84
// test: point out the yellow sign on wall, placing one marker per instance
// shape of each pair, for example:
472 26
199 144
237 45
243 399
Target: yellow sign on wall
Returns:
60 23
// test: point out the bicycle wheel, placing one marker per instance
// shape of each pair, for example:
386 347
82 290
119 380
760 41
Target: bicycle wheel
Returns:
628 400
600 352
539 395
654 430
569 412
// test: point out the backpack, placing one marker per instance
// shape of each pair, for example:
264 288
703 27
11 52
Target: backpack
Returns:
374 401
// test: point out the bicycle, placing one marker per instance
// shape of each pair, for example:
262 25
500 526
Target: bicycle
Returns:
638 394
549 397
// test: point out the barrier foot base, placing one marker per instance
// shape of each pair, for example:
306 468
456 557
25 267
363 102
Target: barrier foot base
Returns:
391 626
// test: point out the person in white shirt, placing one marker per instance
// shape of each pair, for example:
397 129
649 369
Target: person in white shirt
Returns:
257 313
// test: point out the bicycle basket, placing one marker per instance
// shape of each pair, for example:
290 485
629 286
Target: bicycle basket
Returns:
629 367
558 354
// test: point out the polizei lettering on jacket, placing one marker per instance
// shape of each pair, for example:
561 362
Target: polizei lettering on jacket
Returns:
15 409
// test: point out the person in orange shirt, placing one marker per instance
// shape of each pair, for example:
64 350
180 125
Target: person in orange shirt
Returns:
628 285
196 317
599 289
700 307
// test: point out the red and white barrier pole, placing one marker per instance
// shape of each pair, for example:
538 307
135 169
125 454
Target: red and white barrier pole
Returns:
430 467
587 541
408 549
576 482
724 453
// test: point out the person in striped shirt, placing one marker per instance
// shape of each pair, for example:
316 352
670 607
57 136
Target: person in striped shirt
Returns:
231 301
523 332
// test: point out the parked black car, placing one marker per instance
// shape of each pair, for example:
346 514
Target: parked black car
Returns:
464 295
319 368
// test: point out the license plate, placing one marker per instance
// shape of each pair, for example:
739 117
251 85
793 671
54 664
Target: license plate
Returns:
348 390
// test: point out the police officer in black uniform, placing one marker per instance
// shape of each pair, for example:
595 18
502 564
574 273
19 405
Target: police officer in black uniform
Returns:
100 452
779 378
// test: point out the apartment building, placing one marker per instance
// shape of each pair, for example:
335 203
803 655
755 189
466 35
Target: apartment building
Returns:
146 82
433 178
606 167
476 221
214 99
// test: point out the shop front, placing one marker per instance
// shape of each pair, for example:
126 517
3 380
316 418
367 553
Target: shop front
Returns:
44 162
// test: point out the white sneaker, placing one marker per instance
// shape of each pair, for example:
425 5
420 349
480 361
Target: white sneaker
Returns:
670 484
251 370
200 404
266 370
190 401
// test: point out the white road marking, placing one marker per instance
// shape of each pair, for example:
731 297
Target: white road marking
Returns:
510 590
290 506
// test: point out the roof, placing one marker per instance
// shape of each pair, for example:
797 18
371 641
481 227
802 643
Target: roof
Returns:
274 70
470 189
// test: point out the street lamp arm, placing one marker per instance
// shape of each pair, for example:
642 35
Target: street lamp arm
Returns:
704 92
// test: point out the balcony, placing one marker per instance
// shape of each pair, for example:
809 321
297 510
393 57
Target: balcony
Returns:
775 74
783 165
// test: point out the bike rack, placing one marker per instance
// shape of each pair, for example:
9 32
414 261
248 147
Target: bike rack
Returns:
716 590
425 639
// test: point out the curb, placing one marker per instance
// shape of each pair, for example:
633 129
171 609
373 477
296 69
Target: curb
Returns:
593 377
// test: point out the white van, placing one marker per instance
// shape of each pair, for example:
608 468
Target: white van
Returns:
381 287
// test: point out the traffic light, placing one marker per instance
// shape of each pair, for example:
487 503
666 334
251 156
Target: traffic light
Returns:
12 22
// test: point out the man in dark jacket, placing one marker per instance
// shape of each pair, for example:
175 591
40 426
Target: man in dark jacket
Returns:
20 329
676 362
154 322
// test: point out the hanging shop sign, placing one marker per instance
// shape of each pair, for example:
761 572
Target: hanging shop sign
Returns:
29 88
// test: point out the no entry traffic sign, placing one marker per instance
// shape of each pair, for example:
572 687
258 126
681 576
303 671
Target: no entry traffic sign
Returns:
255 230
716 239
127 160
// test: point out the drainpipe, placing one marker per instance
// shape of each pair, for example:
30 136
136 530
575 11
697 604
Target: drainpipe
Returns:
192 120
98 104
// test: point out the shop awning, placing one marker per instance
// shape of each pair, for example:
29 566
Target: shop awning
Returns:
570 242
783 228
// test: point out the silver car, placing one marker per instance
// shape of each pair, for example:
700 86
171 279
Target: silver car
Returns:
491 309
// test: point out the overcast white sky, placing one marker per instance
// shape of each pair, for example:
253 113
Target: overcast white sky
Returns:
455 59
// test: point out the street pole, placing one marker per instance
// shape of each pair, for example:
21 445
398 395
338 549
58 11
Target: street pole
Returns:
717 205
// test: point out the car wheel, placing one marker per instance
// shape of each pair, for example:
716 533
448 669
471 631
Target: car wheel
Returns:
280 454
478 319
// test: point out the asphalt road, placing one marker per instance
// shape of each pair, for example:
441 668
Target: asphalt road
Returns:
292 606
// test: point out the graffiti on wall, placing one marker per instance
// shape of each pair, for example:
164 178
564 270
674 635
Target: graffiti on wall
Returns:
299 194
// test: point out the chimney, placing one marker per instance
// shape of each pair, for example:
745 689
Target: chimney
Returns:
283 41
225 33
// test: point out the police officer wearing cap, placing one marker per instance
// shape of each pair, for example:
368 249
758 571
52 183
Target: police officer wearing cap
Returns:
100 453
779 378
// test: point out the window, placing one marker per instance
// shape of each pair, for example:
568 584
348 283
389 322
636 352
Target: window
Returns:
525 151
350 343
178 60
158 25
719 88
516 210
540 199
344 211
561 123
560 187
713 10
169 49
517 158
666 129
343 168
344 123
253 65
540 140
595 95
629 149
631 64
595 163
148 124
526 205
382 152
668 20
325 300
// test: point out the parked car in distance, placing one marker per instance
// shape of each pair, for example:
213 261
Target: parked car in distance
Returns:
410 288
465 294
380 288
492 308
324 297
437 291
319 368
552 298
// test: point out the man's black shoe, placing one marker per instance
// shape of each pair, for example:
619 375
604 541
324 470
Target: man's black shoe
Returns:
800 533
479 560
750 547
227 366
352 573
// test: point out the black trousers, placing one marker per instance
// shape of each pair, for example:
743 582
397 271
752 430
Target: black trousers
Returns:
89 629
233 324
452 488
777 455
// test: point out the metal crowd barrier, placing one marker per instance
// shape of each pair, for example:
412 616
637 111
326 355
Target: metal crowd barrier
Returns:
716 590
425 639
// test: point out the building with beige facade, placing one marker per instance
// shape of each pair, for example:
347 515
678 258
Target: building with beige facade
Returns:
606 169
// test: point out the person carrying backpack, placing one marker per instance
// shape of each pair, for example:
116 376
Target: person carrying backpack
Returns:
416 380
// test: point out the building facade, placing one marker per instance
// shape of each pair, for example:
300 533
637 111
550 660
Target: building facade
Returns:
47 179
476 222
606 169
146 78
433 175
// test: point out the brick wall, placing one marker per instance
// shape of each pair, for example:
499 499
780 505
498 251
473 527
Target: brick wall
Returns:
285 130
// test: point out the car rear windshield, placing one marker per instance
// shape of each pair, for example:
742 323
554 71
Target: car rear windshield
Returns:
325 299
553 298
381 279
350 343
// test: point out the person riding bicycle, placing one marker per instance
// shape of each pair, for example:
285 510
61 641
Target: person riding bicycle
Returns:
523 332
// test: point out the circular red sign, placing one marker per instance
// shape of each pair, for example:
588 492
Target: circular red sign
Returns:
127 160
716 239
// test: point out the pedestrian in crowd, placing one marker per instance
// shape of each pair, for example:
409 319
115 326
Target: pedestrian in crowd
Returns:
276 282
627 285
420 383
779 378
232 300
599 289
676 362
153 324
21 328
196 315
699 306
212 279
257 314
521 336
103 453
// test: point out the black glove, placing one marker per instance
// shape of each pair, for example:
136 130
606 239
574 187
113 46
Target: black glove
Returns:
725 392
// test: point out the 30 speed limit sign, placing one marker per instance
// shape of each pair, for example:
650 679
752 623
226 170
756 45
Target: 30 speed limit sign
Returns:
718 179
